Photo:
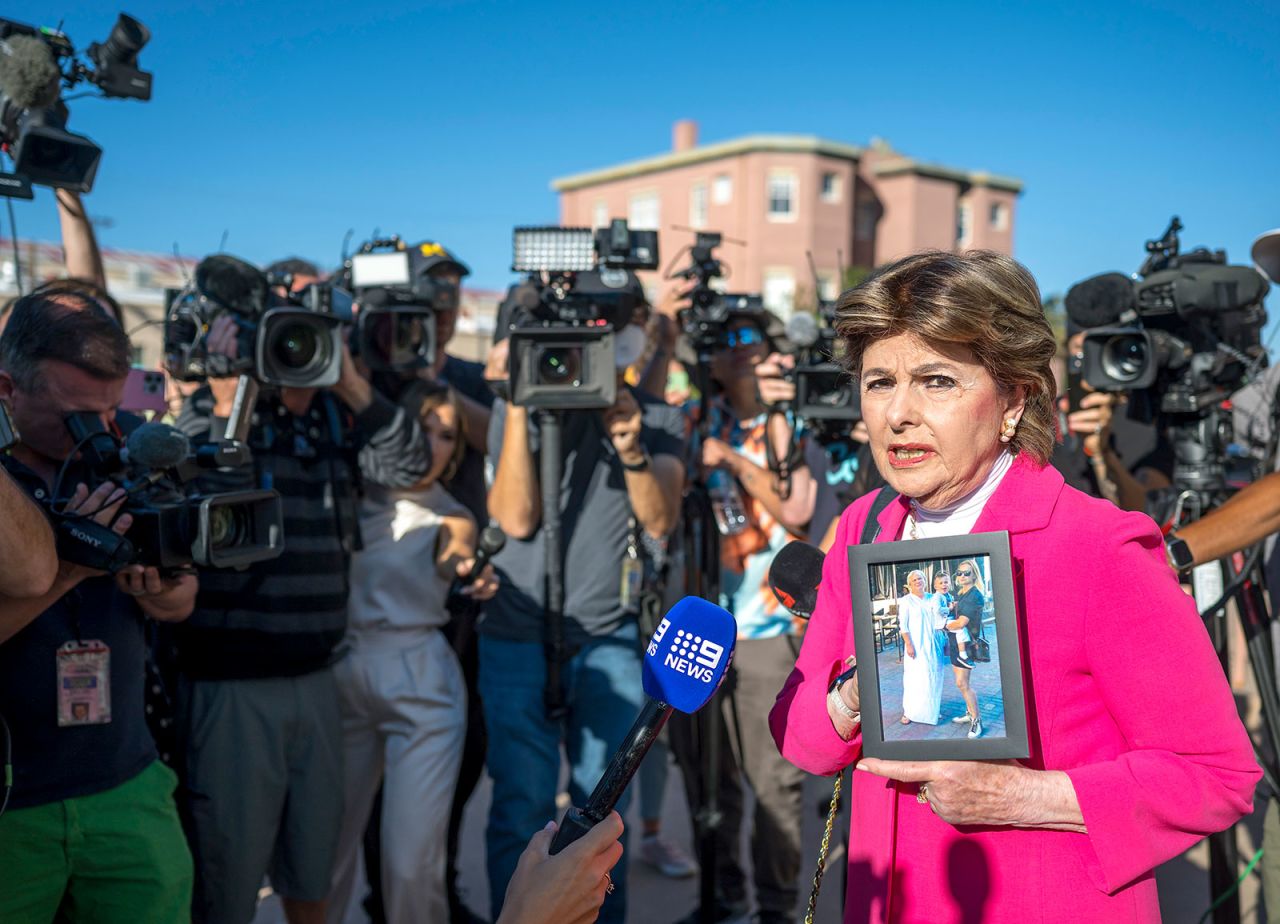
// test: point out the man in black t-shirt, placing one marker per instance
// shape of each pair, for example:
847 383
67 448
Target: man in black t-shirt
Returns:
91 830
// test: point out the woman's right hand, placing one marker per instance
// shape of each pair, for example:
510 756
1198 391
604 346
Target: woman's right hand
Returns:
908 648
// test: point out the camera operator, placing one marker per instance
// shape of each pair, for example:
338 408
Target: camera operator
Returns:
622 472
749 376
71 662
259 720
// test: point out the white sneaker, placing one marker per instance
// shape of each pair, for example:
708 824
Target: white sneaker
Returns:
666 857
975 728
961 719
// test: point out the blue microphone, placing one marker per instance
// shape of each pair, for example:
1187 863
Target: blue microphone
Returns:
683 666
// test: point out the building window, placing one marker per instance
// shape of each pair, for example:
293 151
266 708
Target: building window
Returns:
780 195
999 216
964 225
831 187
600 214
779 291
644 212
722 189
698 205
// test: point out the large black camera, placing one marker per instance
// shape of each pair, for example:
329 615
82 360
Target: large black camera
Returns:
825 392
395 327
580 291
173 527
1186 331
35 65
284 338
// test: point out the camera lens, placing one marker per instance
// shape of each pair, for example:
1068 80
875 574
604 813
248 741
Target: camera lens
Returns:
229 526
298 346
560 366
1125 358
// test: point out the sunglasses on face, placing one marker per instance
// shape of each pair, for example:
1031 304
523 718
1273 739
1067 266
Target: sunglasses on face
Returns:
964 574
743 336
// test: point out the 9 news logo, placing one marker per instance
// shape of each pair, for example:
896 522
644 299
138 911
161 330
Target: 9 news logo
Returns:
688 653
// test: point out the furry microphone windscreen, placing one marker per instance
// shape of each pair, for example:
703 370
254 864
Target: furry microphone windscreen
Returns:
1100 300
28 73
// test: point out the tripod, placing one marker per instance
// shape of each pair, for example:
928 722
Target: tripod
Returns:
1200 437
702 579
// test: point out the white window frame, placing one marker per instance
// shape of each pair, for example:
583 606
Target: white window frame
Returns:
770 279
698 202
792 182
828 285
638 201
837 186
600 214
964 224
721 189
999 216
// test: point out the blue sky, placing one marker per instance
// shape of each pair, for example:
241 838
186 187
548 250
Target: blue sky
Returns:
285 124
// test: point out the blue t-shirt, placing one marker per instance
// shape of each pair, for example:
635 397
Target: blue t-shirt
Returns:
52 763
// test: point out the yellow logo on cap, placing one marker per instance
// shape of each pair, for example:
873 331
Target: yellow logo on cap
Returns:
430 249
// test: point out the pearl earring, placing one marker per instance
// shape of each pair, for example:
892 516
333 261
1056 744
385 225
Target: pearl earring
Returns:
1009 429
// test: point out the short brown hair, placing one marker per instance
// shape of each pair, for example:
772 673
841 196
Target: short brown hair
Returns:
979 299
66 326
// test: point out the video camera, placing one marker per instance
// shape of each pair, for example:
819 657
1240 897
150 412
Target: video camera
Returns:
1187 331
395 327
35 65
173 527
580 290
826 395
292 339
707 315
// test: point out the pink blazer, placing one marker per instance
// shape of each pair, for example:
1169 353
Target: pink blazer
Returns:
1124 694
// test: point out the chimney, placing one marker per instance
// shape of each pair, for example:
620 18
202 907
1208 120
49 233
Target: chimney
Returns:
684 135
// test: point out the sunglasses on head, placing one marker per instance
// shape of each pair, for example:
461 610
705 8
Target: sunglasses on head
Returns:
743 336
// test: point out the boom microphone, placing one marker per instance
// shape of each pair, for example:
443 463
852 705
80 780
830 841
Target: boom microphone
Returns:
686 659
1100 300
28 74
795 575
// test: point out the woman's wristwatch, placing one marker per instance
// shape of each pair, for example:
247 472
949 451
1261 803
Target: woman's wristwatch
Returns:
837 701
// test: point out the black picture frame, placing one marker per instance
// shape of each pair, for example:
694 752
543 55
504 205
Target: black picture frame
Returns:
882 662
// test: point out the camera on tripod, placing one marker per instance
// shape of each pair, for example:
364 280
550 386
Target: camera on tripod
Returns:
173 527
395 327
580 290
1189 331
292 339
706 318
35 66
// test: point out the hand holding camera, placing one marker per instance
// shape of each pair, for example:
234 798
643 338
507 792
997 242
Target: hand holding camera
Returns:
774 381
622 423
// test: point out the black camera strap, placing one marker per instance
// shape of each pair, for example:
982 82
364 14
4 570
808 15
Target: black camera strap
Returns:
783 467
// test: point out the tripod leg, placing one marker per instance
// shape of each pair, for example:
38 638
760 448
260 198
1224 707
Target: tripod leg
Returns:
1224 855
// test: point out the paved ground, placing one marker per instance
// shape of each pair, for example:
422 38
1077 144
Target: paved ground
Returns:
984 678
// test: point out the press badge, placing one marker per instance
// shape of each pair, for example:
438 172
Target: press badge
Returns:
84 683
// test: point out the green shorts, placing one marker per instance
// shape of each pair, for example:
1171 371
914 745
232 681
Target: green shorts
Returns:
113 856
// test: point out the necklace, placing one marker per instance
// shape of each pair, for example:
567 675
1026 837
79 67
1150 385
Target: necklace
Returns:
911 526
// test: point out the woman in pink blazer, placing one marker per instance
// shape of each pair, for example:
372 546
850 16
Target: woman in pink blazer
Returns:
1136 748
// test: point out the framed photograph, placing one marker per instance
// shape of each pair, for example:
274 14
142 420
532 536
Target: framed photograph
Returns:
939 668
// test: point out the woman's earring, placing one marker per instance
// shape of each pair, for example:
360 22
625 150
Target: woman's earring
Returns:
1009 429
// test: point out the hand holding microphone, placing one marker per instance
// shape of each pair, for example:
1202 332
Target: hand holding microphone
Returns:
683 665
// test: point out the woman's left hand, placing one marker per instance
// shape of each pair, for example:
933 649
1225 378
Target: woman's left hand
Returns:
483 587
965 792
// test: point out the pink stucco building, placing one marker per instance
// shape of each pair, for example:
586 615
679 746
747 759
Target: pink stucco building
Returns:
785 196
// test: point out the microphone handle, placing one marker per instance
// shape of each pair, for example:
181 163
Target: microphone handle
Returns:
482 559
616 776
